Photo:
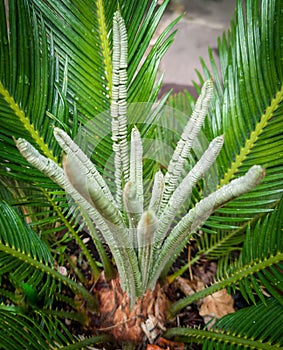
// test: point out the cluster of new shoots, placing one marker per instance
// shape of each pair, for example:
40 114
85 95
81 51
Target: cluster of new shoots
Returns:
144 240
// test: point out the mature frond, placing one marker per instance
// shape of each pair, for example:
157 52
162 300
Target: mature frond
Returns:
82 31
262 243
26 259
56 70
259 267
247 108
248 104
255 327
24 240
27 332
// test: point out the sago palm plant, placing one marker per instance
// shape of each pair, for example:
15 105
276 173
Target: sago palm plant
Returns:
64 65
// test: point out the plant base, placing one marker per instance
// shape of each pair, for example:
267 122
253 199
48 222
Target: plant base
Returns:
146 319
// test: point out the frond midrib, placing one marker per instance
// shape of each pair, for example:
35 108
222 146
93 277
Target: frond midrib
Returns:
250 142
50 271
200 336
25 121
230 280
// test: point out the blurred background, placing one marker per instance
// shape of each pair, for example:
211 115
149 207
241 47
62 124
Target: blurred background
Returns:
202 23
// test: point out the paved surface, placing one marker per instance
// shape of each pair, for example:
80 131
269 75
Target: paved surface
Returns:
204 21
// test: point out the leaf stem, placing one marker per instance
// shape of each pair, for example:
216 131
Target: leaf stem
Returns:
104 44
87 342
201 336
243 272
92 303
253 138
26 123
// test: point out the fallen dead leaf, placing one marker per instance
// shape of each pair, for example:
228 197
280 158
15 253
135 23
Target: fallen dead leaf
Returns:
216 306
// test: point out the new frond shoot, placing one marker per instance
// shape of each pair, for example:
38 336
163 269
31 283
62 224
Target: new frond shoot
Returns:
144 239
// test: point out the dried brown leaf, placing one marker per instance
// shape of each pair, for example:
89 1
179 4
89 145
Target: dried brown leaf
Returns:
216 306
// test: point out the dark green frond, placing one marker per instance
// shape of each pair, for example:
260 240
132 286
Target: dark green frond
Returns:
19 331
28 282
23 239
248 109
56 69
255 327
82 31
259 266
248 100
88 341
262 242
27 76
27 261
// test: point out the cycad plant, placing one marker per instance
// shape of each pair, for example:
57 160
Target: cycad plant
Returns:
64 64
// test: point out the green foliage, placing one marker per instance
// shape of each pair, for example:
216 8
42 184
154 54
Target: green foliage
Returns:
23 255
56 70
26 241
245 236
26 262
14 332
62 82
262 244
255 327
252 129
257 268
